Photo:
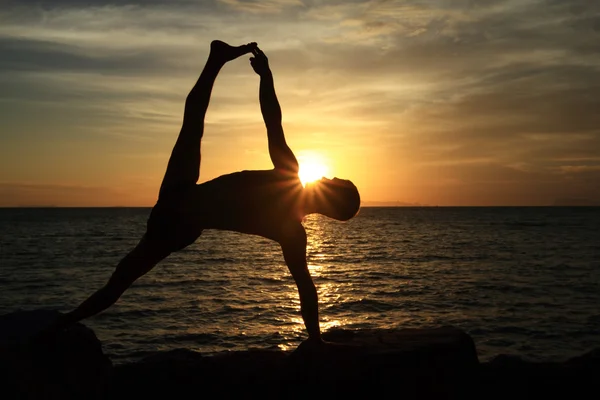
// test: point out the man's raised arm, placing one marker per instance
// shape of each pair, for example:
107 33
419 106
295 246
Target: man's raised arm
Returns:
281 155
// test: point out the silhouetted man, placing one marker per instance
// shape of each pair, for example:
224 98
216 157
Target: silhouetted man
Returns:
269 203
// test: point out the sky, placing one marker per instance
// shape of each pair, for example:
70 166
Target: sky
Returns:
462 103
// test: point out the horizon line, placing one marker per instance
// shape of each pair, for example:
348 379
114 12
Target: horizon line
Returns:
391 205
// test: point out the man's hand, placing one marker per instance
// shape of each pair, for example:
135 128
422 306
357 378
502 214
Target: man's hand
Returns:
260 62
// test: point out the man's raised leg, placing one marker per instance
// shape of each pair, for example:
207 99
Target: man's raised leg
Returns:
134 265
184 164
183 167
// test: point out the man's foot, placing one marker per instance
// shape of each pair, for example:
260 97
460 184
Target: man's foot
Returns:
223 52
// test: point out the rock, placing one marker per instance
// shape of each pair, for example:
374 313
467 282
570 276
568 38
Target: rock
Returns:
589 360
510 376
68 366
410 363
372 363
424 363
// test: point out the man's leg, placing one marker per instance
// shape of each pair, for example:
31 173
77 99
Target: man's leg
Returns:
135 264
183 168
184 164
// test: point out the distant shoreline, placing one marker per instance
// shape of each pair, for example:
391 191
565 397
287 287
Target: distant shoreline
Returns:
368 205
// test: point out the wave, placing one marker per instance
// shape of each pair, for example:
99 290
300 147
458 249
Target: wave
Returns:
526 224
362 305
198 338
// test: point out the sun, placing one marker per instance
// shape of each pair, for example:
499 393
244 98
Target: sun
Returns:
311 169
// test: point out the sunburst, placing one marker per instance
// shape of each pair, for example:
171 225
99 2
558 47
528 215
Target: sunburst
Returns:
312 168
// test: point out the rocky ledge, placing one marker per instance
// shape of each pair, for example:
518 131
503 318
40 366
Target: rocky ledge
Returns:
409 364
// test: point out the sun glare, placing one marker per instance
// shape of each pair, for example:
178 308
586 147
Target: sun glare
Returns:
311 169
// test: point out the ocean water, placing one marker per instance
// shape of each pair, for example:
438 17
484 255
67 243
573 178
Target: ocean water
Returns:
522 281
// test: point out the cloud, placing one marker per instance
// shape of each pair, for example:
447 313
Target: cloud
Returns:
514 86
22 55
262 6
14 194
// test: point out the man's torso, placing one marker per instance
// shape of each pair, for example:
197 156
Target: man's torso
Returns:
266 203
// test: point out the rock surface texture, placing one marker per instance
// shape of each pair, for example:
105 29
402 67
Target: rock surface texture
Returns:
68 366
405 364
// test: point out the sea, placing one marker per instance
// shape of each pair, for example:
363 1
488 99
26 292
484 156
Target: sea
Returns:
523 281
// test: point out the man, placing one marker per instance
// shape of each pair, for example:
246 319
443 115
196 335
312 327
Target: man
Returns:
269 203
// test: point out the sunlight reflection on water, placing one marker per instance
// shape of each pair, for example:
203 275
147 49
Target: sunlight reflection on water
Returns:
518 280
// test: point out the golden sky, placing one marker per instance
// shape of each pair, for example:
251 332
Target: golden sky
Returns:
429 102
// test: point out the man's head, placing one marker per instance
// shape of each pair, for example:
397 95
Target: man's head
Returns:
336 198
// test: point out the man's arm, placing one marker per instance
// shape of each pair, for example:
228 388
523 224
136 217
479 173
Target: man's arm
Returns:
281 155
294 253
